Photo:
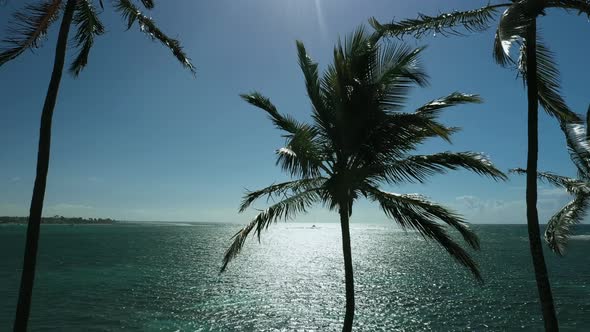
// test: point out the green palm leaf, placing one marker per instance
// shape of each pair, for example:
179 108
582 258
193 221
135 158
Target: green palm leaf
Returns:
415 212
302 156
420 167
548 86
281 190
398 70
559 226
131 13
285 209
571 185
312 81
285 123
453 99
89 26
513 26
446 24
29 28
578 144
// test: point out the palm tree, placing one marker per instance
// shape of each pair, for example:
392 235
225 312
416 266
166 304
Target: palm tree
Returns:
29 27
518 23
559 225
360 139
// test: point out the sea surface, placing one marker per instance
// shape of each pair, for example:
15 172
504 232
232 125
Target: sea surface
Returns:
165 277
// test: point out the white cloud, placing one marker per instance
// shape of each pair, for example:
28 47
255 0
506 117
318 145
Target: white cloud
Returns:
507 211
553 192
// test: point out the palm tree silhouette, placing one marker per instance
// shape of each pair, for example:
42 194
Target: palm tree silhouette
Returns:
29 27
517 24
360 139
559 226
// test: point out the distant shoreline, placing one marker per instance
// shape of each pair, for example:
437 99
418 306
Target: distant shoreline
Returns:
58 220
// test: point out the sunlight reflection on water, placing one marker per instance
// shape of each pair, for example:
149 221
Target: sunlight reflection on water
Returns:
148 278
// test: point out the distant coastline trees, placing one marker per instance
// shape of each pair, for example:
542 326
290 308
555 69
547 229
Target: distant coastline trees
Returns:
57 220
359 140
29 27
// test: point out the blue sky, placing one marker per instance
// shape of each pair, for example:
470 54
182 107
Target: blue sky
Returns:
136 137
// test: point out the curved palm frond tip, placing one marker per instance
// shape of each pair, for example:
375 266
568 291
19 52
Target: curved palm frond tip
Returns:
560 226
476 20
30 25
513 25
29 28
359 138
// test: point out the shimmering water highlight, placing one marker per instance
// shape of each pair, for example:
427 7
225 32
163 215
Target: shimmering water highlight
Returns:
165 278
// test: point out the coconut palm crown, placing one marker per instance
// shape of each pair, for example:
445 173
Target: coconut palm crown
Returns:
513 25
559 227
360 139
517 26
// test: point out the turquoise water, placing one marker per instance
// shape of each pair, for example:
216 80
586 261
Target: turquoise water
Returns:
165 278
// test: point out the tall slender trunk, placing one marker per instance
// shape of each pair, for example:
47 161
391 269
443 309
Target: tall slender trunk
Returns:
34 225
348 275
536 246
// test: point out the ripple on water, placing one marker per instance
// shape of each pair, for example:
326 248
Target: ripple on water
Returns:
165 278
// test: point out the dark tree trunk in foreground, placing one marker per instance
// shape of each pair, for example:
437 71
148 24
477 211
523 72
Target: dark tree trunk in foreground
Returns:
349 278
543 286
34 225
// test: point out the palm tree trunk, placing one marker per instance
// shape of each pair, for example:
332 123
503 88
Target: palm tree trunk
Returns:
543 286
348 275
34 225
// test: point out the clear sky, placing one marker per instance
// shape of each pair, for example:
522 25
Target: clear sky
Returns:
136 137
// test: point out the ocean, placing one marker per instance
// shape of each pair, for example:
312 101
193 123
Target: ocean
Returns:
165 277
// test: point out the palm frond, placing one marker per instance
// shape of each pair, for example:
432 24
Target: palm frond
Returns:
322 114
418 168
576 137
548 86
415 212
404 131
286 123
302 156
571 185
453 99
28 28
131 13
398 69
514 25
285 209
559 226
89 26
281 190
311 75
445 24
